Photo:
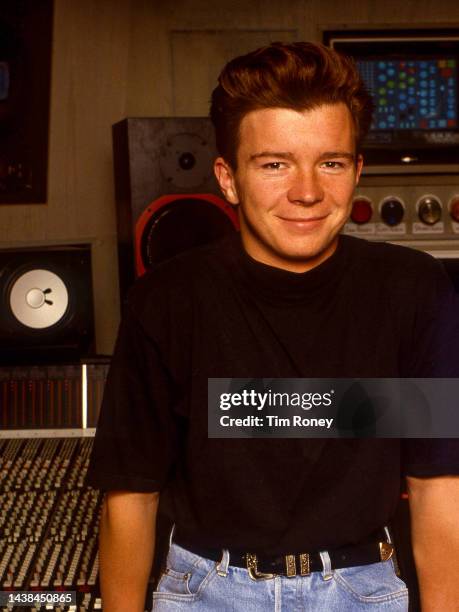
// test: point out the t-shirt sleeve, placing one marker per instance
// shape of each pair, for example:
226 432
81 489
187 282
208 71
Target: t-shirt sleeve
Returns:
428 457
135 442
436 355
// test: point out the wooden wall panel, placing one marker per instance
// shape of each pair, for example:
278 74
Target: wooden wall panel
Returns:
192 82
371 13
158 28
117 58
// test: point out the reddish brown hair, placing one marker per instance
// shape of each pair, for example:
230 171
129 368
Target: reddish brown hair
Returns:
300 76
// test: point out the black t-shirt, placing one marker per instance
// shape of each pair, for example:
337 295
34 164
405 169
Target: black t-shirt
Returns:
370 310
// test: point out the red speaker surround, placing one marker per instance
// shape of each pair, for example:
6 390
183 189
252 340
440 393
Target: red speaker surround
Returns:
187 220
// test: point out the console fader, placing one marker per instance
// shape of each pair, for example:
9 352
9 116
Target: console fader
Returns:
48 519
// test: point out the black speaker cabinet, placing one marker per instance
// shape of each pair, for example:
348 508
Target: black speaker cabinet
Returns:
46 313
167 196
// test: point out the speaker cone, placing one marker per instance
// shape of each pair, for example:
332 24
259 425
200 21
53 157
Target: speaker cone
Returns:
176 223
39 299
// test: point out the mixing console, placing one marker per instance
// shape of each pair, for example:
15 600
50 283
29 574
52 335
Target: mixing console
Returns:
48 520
59 396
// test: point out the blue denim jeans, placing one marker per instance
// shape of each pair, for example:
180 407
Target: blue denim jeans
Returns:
194 583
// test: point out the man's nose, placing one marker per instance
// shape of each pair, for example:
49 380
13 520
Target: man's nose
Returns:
305 188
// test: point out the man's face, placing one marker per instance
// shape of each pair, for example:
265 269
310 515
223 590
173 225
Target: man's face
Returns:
294 183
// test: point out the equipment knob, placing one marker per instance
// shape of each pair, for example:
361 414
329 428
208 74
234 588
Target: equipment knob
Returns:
454 209
392 211
361 211
429 210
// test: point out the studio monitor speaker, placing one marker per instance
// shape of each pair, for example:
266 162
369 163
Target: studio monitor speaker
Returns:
168 200
46 312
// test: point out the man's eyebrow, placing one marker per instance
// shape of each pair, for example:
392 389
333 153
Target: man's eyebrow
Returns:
278 154
334 154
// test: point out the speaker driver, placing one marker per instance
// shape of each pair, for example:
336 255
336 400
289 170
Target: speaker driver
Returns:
46 306
39 299
176 223
186 161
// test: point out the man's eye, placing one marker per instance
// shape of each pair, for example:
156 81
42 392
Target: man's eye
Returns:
333 165
273 166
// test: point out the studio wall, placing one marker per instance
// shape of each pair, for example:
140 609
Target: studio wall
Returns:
118 58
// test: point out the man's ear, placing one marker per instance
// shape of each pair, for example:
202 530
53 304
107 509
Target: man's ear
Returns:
226 180
359 166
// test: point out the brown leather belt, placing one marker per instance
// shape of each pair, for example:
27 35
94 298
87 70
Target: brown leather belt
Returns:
262 567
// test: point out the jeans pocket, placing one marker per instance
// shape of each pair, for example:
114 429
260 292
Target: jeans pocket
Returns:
184 578
173 582
373 583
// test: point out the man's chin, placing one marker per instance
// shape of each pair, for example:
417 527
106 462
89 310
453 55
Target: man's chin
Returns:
302 260
320 249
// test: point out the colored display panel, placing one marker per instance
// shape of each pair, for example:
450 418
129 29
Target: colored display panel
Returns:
412 94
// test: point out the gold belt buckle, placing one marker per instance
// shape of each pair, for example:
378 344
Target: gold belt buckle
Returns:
305 569
386 550
252 563
290 566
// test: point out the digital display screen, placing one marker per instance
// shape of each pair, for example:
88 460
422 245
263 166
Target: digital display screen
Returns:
412 94
4 80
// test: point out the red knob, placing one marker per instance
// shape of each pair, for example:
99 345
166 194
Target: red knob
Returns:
454 208
361 211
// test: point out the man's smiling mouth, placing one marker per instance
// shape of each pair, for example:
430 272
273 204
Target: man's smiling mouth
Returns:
302 223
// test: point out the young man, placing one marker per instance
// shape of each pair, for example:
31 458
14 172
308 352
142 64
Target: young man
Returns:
278 523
